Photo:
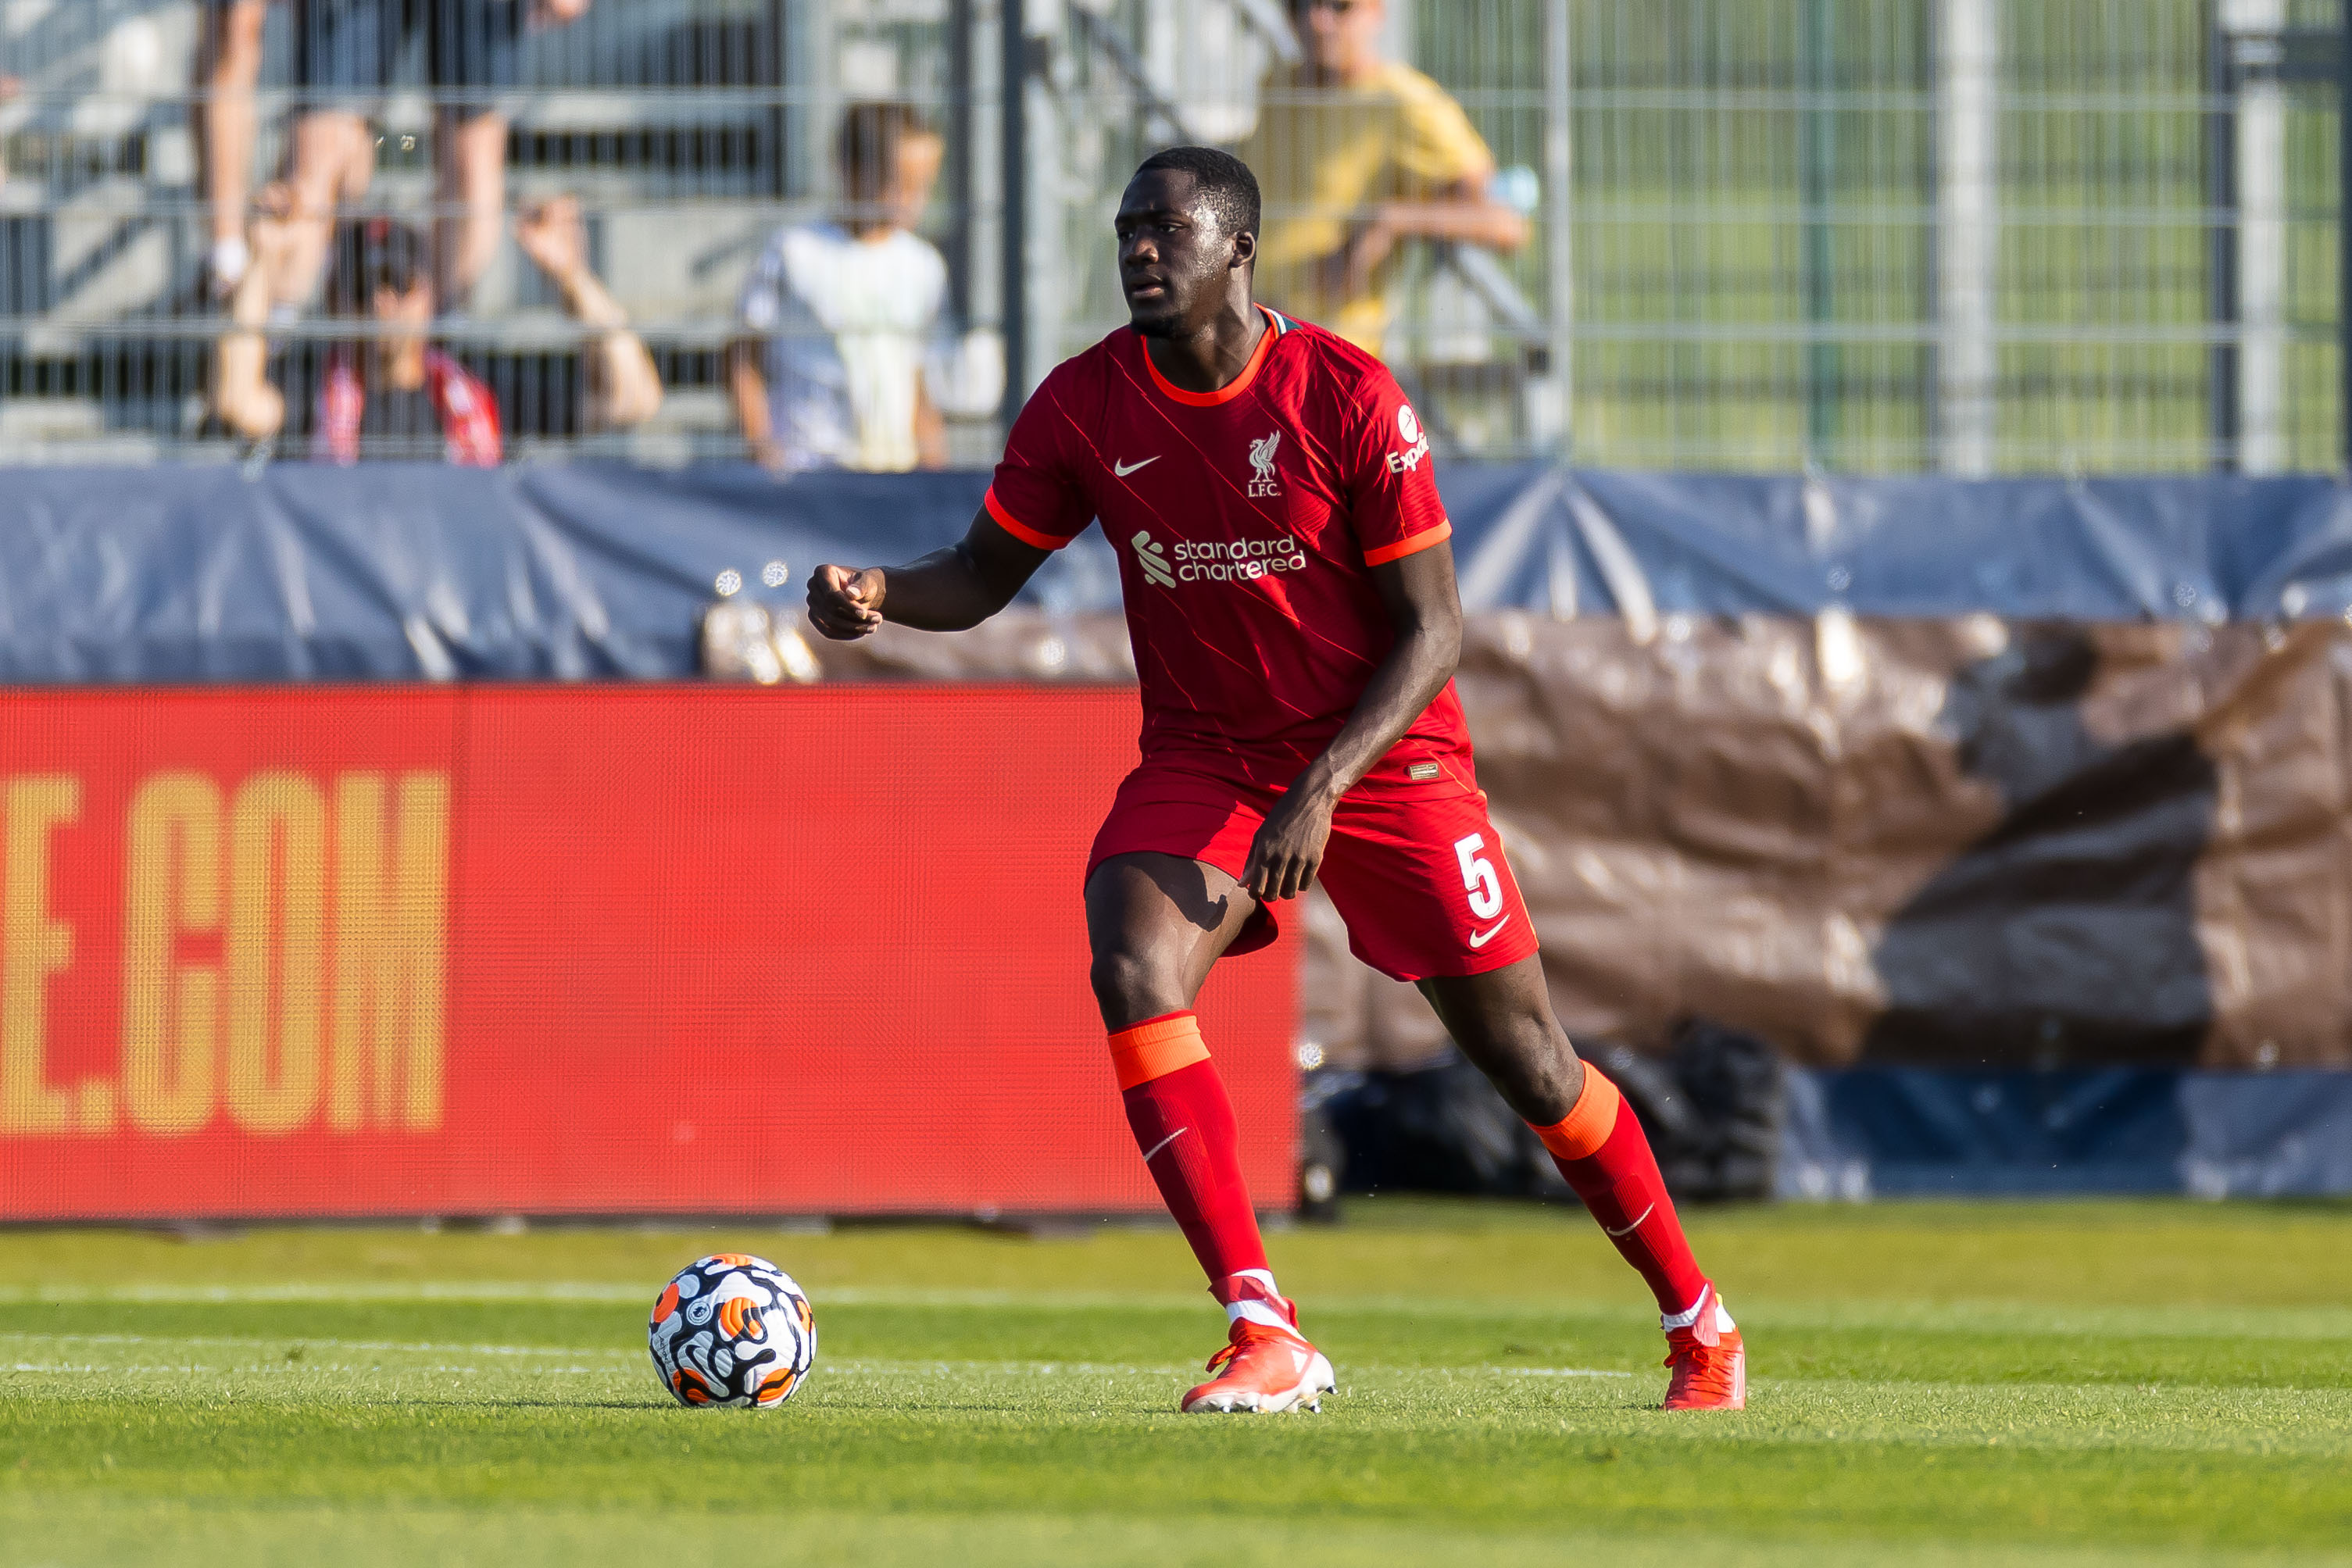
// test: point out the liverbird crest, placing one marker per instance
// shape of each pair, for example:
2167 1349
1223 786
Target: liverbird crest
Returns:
1261 456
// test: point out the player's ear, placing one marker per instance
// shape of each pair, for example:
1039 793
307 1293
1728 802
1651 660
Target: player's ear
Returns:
1244 249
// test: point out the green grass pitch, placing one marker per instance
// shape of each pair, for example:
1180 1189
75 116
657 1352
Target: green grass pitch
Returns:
2085 1382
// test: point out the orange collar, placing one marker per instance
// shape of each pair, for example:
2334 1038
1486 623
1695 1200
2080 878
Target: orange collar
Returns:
1231 390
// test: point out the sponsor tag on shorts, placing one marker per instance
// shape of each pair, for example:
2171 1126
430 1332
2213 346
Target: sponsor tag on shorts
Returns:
1421 771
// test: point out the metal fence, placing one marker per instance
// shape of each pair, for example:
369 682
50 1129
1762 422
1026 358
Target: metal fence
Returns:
1966 235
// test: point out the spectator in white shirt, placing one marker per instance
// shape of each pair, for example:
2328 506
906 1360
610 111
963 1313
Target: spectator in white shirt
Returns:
842 319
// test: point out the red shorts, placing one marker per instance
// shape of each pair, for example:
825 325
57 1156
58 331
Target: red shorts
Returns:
1420 879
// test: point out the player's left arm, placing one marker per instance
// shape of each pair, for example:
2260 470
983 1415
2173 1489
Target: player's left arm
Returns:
1427 611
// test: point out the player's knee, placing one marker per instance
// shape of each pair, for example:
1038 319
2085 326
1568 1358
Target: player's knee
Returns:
1130 987
1506 1033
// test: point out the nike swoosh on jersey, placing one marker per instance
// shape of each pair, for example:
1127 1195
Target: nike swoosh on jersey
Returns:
1124 469
1480 938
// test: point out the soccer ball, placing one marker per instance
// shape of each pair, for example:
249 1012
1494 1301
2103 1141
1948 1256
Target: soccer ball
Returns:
732 1328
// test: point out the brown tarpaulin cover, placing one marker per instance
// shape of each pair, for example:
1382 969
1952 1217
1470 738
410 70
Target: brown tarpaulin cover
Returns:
1965 842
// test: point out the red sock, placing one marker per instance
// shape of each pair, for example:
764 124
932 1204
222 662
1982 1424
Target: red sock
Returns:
1601 1149
1184 1126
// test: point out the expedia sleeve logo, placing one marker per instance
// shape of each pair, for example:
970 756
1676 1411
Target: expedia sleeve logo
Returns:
1216 560
1416 443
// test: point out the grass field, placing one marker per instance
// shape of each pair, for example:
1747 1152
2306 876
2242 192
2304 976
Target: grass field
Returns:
2051 1384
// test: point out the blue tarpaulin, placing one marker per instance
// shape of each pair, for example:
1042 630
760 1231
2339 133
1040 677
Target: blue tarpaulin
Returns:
1928 1133
600 569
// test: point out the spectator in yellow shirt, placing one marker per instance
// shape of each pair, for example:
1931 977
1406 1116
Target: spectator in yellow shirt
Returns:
1356 154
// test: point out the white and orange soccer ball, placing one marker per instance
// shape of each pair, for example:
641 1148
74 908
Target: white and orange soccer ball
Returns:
732 1328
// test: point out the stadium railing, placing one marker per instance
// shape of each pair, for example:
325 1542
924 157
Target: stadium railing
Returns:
1966 235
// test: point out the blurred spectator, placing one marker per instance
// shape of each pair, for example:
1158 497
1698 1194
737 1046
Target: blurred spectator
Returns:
839 318
345 48
228 65
392 387
1356 154
9 87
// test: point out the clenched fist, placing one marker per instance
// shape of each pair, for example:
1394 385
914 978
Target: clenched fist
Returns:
843 604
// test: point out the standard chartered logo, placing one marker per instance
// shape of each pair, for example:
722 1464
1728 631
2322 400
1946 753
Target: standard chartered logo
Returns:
1216 560
1154 558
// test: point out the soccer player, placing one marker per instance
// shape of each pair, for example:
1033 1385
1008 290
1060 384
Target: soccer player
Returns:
1290 596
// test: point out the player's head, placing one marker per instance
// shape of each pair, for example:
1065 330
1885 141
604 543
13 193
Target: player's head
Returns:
889 159
1187 238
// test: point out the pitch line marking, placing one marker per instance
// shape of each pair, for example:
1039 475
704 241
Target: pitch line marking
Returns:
874 1367
396 1347
98 1368
298 1294
2305 1324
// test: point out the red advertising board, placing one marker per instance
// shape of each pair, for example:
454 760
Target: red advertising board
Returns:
592 949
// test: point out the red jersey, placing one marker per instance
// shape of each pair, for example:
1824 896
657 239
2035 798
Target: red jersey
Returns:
1245 520
464 404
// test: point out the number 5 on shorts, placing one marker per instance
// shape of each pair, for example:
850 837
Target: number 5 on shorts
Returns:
1478 878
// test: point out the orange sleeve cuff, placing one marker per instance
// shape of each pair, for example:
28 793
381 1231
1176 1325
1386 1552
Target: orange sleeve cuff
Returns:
1016 528
1588 1125
1411 544
1156 1047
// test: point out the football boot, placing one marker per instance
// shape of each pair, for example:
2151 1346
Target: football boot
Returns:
1265 1370
1709 1365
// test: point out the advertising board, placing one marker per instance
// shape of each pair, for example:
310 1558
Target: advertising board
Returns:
379 951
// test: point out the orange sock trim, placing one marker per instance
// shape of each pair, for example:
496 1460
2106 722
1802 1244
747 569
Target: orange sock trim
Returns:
1587 1127
1156 1047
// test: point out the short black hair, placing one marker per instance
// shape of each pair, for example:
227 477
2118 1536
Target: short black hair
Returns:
372 254
1225 181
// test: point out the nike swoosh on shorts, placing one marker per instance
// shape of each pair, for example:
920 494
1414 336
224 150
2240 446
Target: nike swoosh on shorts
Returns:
1480 938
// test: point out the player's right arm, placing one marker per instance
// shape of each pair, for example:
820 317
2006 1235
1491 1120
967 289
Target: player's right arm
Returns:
951 590
1037 504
